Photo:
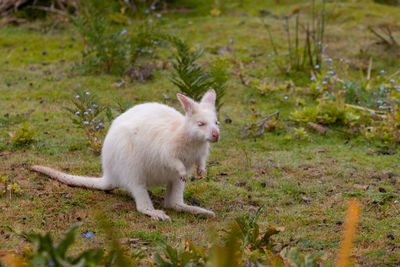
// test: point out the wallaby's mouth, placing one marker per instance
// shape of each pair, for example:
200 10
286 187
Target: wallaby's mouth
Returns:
213 140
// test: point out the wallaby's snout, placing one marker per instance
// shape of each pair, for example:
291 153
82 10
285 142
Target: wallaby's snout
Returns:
214 136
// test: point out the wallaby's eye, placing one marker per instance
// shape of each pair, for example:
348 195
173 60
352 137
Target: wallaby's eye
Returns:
217 122
200 123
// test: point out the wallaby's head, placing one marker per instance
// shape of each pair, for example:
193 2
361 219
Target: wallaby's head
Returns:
201 118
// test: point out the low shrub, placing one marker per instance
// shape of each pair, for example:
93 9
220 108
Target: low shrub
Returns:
93 118
23 136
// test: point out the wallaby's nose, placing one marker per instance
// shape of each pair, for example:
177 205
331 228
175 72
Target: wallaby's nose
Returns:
214 135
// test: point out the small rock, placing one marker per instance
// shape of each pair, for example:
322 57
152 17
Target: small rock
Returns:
253 101
321 150
228 120
88 235
166 97
68 195
390 175
224 49
385 152
194 201
382 190
307 199
240 183
120 83
360 186
269 183
390 236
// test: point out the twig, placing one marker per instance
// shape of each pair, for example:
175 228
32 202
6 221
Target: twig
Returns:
383 39
242 80
260 126
264 121
360 108
51 10
12 230
390 34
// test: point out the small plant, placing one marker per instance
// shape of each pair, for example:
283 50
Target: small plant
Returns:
300 133
292 257
252 238
306 57
24 135
219 79
146 38
191 78
123 104
10 188
88 115
187 254
113 50
328 112
105 49
46 253
216 10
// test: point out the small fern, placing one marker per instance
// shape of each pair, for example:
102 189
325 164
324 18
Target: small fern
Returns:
191 78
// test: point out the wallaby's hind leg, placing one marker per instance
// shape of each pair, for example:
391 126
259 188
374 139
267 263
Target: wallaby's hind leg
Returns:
144 205
174 200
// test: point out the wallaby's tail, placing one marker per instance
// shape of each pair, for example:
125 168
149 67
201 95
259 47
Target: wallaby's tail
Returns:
74 180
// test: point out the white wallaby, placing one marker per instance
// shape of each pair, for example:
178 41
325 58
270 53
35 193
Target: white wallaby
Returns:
153 144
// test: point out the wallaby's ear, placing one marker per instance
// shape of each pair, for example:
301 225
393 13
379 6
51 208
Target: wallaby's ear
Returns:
186 102
209 97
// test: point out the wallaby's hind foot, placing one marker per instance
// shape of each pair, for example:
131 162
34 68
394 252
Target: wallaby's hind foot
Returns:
192 209
158 215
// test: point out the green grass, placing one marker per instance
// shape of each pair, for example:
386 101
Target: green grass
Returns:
277 172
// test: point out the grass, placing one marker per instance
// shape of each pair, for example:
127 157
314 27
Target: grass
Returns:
282 174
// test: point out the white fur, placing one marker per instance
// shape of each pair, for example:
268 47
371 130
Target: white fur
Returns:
153 144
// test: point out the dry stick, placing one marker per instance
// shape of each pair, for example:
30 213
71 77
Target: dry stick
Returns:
369 69
379 36
261 126
265 120
333 129
390 34
50 9
13 231
242 79
352 218
361 108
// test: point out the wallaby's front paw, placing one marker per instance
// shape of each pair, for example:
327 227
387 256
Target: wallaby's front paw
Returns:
183 177
200 171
